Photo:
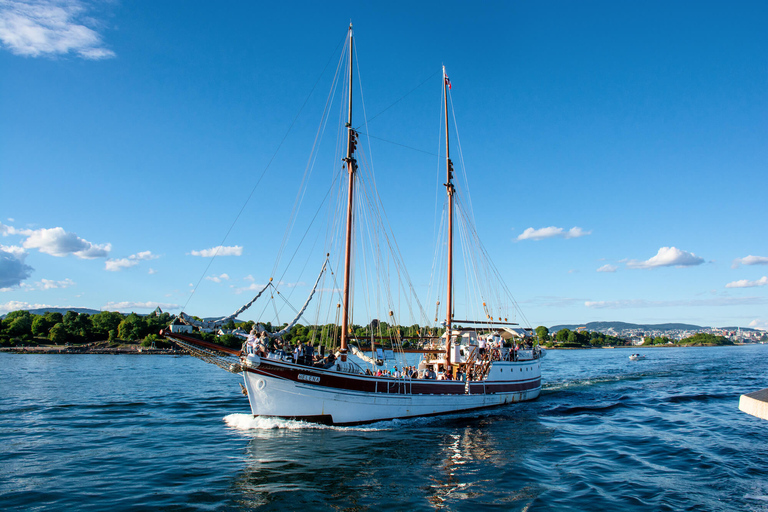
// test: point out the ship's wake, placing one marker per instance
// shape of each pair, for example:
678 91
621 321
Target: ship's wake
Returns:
248 422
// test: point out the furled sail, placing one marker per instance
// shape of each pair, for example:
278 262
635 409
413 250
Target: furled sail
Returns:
303 308
221 321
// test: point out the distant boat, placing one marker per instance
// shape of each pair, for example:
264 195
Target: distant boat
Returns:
636 357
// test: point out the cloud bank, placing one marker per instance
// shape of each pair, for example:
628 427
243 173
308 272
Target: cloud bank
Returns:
116 265
642 303
744 283
13 270
130 306
220 250
60 243
34 28
668 257
16 305
750 260
552 232
218 279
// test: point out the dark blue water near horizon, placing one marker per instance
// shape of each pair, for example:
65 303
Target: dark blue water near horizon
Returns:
103 432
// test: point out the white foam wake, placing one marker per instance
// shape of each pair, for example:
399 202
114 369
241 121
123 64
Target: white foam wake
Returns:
248 422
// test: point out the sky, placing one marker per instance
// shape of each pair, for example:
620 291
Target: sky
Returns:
616 152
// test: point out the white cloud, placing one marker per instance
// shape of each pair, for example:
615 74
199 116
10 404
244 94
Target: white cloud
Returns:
668 257
255 287
552 232
115 265
744 283
750 260
127 307
218 279
220 250
49 284
13 270
16 305
15 250
7 230
607 268
642 303
32 28
249 277
57 242
758 323
152 271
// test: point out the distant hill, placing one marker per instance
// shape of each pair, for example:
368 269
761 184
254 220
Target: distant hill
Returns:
600 326
42 311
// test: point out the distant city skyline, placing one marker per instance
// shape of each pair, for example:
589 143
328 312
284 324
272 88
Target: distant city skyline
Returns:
616 152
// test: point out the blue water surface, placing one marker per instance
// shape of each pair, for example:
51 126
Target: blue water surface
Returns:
105 432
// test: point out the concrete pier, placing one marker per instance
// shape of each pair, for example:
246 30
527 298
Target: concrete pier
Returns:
755 403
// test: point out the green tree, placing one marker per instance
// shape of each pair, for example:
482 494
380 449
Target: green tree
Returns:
54 317
40 326
562 335
542 333
58 334
131 328
20 325
105 322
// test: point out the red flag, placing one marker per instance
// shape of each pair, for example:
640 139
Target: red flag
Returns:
448 82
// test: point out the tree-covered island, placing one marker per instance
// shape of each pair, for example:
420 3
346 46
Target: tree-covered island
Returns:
114 329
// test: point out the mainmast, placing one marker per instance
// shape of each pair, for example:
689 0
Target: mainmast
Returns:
450 190
351 168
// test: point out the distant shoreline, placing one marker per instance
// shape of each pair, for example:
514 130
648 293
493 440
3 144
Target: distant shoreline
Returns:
137 350
703 345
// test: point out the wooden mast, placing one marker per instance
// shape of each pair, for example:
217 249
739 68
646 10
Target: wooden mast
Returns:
450 190
351 168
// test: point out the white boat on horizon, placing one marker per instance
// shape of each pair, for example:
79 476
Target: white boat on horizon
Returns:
479 364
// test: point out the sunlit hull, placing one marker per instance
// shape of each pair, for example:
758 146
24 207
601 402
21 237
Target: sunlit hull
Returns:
281 389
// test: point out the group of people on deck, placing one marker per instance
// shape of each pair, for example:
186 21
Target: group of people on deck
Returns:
262 345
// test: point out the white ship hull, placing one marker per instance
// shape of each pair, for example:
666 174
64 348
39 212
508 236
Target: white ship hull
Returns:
286 390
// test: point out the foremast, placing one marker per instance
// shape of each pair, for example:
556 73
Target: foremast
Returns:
450 189
351 165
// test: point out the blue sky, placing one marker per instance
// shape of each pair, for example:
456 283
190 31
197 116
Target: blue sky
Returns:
616 151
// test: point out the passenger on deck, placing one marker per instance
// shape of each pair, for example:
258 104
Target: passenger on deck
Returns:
298 353
330 360
481 344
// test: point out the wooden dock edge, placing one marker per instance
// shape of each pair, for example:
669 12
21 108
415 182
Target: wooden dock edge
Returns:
755 403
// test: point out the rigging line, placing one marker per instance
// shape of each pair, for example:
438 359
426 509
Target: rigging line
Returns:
308 228
403 97
397 143
394 248
310 163
287 303
461 157
253 190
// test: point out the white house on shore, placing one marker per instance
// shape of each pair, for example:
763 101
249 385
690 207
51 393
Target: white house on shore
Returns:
178 326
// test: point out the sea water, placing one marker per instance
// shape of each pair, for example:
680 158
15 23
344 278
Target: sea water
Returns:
106 432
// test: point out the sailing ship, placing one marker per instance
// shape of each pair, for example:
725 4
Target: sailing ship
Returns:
468 366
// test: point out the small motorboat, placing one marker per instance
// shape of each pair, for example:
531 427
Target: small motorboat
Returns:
636 357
